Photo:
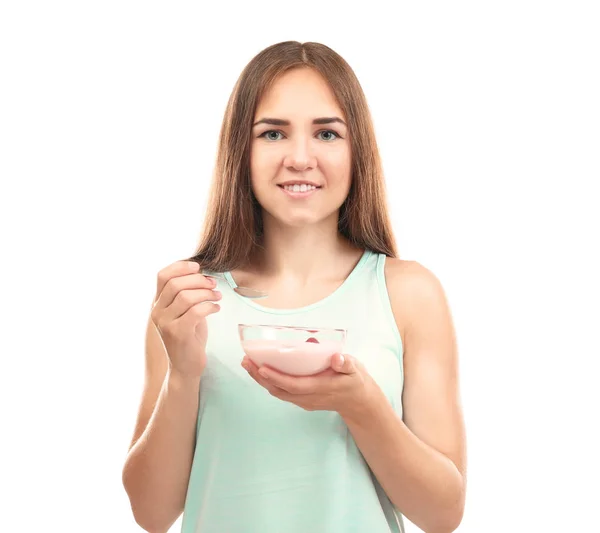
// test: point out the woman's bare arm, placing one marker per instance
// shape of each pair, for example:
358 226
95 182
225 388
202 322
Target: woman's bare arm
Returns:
157 468
421 460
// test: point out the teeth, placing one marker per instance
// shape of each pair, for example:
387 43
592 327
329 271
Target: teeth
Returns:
299 188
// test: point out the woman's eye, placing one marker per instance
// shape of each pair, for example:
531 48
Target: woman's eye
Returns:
329 132
269 135
266 133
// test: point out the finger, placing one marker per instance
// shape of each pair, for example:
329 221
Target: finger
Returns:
180 283
253 371
343 364
293 384
191 317
179 268
248 364
188 298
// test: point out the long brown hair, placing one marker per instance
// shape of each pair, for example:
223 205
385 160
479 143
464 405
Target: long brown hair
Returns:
233 223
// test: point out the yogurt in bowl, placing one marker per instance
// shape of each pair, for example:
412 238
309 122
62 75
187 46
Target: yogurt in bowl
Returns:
294 350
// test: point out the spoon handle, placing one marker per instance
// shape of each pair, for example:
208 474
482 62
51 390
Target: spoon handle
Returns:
215 276
246 292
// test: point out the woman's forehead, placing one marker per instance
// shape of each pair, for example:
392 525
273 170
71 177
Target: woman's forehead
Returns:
303 94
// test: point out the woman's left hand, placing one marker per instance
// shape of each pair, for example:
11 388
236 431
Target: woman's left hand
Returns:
344 387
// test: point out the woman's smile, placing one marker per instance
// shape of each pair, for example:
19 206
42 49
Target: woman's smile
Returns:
299 190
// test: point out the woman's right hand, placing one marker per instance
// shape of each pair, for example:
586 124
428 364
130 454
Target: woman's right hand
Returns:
184 298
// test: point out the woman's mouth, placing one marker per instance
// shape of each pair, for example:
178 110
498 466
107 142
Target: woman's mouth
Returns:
296 190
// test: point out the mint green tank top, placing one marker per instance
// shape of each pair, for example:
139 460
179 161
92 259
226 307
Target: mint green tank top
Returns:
262 465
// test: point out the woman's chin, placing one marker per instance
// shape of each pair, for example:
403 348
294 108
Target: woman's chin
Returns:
302 222
298 221
300 218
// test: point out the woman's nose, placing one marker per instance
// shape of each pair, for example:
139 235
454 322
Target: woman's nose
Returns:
300 155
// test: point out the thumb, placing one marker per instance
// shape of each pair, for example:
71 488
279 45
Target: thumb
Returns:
343 364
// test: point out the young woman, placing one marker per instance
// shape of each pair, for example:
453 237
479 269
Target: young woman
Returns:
298 210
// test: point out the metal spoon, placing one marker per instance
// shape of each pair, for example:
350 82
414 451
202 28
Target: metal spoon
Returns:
243 291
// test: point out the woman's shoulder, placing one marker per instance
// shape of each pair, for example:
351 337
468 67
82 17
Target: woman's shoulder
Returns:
414 291
405 274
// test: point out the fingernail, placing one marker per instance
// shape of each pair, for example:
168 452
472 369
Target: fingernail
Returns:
342 360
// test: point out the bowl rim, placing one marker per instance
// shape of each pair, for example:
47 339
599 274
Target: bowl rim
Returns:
298 328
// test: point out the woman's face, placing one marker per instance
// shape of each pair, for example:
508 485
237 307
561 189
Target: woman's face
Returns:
291 154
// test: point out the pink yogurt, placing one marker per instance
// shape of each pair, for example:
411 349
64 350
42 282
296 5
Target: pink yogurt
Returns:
296 357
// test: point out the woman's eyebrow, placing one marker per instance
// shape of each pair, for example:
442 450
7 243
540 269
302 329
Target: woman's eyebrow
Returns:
282 122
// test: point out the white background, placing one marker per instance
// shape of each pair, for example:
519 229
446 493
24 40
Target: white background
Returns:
487 115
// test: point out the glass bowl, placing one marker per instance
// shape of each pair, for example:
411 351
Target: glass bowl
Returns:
293 350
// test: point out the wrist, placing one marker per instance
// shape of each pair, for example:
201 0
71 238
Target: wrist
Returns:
364 403
177 378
